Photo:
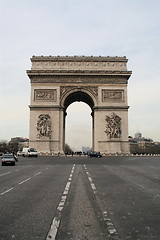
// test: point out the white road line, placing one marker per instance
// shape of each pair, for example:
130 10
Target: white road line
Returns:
67 186
37 174
3 174
24 181
54 228
6 191
56 221
109 225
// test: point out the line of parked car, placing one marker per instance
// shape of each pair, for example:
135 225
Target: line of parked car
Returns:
12 158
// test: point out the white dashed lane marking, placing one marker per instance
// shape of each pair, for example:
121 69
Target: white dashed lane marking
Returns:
37 174
10 189
26 180
22 182
109 225
3 174
56 220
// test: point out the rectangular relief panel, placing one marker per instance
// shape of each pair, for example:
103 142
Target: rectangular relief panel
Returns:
112 95
45 95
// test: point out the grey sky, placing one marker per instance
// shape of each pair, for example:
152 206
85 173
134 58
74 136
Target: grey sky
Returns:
80 27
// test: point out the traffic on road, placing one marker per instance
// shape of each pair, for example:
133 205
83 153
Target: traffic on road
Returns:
69 198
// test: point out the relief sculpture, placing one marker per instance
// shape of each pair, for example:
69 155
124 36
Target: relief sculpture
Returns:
113 127
44 126
45 94
111 95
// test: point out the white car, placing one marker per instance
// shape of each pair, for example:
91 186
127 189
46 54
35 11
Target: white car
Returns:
29 152
19 153
8 159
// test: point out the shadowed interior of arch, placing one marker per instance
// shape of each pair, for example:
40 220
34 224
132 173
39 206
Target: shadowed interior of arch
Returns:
80 97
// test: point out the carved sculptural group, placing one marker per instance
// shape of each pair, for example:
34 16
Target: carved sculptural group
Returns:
113 127
44 126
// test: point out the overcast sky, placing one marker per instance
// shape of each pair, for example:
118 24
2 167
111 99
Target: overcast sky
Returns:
80 27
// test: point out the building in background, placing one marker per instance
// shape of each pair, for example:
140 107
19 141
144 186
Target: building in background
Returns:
142 145
21 141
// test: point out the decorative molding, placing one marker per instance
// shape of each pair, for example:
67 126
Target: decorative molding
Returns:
52 72
63 64
77 79
45 95
113 127
79 58
111 108
45 108
112 95
92 90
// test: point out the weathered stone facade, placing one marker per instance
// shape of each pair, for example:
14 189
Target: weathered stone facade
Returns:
101 82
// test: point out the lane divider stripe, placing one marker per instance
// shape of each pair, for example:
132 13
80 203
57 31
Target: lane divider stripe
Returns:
3 174
37 174
6 191
56 220
24 181
109 225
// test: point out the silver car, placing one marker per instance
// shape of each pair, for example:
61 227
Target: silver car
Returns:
8 159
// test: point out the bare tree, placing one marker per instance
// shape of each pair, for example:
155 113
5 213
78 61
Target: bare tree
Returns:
68 149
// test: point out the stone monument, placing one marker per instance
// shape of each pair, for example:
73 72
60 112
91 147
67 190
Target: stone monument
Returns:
100 82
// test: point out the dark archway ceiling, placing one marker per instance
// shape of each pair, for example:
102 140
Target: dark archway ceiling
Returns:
78 97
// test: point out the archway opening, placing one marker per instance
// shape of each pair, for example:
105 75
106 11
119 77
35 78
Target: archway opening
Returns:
78 123
79 97
78 127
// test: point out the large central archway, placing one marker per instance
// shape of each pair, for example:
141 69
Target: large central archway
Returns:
100 82
78 127
78 96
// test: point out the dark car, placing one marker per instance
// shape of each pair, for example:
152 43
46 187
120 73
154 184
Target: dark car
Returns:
94 154
8 159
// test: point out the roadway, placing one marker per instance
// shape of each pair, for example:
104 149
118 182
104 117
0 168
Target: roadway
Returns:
79 198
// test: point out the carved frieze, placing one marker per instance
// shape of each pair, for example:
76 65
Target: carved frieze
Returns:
112 95
113 126
78 64
80 79
45 95
44 126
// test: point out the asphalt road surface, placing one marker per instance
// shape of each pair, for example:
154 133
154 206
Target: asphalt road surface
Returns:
80 198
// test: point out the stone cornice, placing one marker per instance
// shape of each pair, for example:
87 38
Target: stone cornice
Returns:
101 108
44 74
76 79
77 72
96 108
78 64
41 107
79 58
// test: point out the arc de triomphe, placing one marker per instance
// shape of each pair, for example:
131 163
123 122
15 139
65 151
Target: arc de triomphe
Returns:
100 82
